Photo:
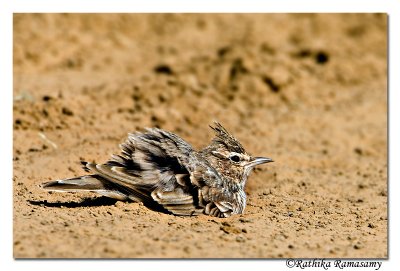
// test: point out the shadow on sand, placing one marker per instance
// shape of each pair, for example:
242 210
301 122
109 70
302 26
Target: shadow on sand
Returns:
87 202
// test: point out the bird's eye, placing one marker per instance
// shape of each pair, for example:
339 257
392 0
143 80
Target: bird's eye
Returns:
235 158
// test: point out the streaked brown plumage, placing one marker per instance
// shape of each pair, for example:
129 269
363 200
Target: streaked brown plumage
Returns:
160 169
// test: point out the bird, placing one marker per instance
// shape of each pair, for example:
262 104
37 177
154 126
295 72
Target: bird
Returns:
164 172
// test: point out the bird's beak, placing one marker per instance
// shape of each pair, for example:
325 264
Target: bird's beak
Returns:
259 160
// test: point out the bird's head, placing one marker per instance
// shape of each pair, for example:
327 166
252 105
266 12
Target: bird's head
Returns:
227 155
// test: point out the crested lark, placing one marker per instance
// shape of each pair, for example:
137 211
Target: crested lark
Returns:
160 169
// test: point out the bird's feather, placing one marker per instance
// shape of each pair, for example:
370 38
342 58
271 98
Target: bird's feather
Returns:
159 167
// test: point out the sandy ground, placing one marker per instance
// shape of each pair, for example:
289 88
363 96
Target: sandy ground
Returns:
308 90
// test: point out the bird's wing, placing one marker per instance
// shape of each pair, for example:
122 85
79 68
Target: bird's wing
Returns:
115 180
145 157
177 195
152 167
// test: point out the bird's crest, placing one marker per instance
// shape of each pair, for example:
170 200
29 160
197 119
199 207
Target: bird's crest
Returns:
223 137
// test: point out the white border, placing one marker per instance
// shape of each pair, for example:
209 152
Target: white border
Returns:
7 8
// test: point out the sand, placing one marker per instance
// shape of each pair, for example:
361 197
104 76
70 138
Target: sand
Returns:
308 90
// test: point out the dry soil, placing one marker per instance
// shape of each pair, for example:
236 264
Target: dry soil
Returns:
308 90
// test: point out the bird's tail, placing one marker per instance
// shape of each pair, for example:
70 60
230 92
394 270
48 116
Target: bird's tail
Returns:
93 183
